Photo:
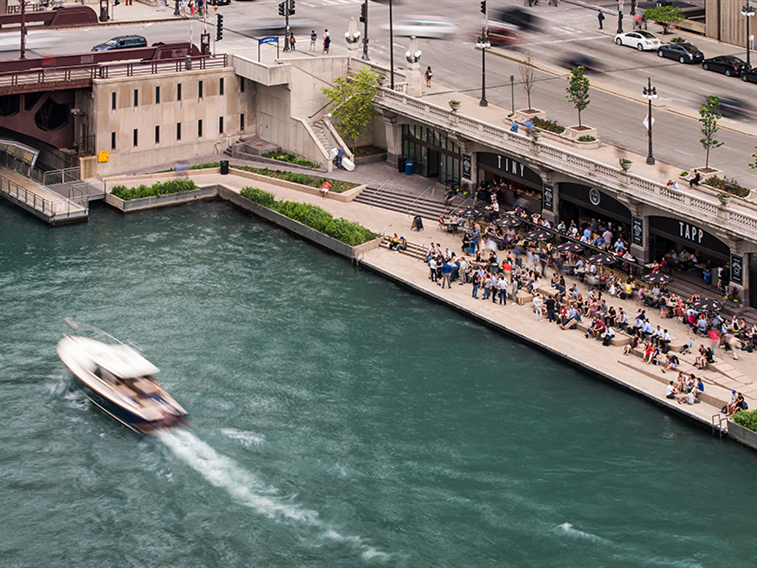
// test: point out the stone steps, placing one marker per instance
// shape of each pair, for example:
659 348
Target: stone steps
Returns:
410 204
412 249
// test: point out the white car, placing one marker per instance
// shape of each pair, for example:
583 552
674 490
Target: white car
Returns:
643 41
424 26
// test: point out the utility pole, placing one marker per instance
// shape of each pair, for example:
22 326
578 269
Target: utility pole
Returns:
22 55
483 43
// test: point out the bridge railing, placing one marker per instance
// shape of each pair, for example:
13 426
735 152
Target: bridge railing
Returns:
87 73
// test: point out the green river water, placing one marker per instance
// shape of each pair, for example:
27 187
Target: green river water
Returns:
338 420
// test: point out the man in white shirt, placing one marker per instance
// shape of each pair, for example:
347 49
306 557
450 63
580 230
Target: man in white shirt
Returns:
537 301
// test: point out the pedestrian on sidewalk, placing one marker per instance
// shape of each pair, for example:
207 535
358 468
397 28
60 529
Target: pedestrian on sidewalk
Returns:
601 18
292 42
313 39
537 301
429 74
326 42
191 7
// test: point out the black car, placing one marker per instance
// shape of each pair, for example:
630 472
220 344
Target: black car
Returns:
728 64
122 42
682 52
749 76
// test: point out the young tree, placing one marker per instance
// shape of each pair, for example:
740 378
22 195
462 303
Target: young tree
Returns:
353 99
527 74
665 16
578 90
753 163
708 117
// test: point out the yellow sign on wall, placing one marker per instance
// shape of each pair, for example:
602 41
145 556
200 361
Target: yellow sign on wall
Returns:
103 156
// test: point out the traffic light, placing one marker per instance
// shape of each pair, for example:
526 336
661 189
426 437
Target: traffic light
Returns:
291 7
281 8
483 6
219 27
362 12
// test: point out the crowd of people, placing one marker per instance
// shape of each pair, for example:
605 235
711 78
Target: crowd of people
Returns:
496 263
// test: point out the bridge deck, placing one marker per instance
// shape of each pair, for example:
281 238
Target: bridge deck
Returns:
39 200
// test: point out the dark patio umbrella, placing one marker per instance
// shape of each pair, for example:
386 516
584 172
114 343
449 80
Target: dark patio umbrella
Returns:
656 278
470 213
570 247
707 305
601 259
507 222
539 235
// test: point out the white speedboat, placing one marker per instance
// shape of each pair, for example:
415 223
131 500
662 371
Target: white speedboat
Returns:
122 383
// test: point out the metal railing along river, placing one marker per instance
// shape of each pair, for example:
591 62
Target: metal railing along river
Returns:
59 209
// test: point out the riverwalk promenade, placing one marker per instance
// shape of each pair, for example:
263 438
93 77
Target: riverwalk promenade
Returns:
515 320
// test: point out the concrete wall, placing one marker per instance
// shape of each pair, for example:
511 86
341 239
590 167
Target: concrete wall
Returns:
103 120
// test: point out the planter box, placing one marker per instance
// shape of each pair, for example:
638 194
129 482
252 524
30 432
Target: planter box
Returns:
370 159
565 139
527 114
711 172
296 227
161 201
741 434
575 132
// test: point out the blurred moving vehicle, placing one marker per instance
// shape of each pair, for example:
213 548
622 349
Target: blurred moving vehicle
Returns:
729 65
502 33
734 108
122 42
424 26
523 19
590 64
278 27
643 41
682 52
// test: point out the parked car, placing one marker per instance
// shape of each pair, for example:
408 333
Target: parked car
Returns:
749 76
682 52
643 41
121 42
424 26
727 64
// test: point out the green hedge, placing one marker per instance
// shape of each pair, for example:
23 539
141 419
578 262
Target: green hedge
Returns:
155 190
312 216
747 419
290 158
303 179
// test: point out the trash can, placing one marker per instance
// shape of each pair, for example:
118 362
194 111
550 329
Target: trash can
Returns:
409 167
707 274
224 167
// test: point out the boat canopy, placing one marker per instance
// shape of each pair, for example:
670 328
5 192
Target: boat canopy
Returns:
120 360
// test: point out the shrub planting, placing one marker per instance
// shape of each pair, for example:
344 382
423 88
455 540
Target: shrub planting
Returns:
155 190
315 217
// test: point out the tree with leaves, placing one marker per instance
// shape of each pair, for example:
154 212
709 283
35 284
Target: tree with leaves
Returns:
708 118
352 97
527 74
753 163
665 16
578 90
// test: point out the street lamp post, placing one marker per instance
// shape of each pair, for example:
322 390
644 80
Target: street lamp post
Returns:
391 46
650 93
483 43
620 16
747 11
365 32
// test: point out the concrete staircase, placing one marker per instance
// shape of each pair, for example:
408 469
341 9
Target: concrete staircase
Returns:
321 133
428 208
414 250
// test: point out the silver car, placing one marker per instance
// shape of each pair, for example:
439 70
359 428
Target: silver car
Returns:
643 41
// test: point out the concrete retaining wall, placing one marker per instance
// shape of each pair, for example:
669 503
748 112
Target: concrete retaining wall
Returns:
294 226
741 434
162 200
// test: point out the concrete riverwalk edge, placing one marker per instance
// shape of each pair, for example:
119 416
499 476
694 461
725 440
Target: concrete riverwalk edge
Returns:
516 321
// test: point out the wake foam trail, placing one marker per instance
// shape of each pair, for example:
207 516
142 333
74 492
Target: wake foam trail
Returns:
247 490
568 529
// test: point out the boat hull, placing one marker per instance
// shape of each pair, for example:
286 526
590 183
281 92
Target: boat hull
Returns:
129 419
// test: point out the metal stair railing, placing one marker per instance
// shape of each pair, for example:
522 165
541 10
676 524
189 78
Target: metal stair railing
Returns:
717 423
431 187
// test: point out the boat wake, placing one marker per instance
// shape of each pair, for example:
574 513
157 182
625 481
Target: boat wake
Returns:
248 490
